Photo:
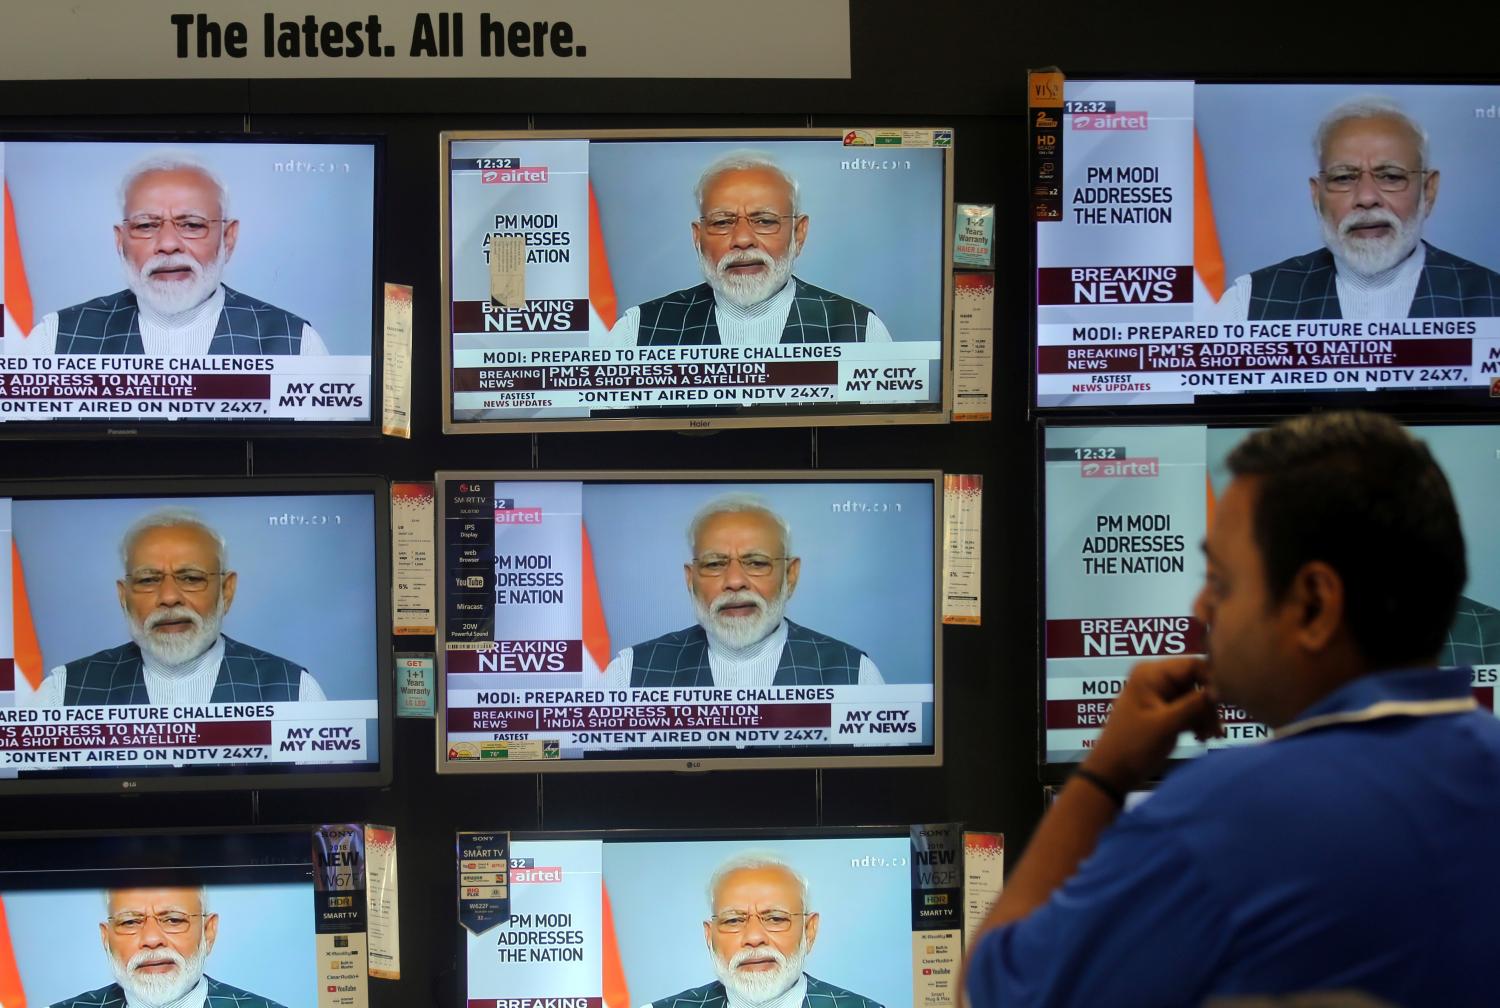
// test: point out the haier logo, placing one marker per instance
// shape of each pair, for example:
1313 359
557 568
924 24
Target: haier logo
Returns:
1120 468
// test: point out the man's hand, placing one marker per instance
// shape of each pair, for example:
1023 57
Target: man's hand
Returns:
1160 700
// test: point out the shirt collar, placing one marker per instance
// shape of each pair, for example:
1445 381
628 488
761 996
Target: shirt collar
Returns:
209 660
792 997
780 302
183 320
771 642
1419 692
1407 268
194 998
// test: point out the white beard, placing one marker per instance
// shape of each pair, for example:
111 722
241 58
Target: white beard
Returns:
173 297
156 990
173 649
1372 256
739 632
748 291
758 987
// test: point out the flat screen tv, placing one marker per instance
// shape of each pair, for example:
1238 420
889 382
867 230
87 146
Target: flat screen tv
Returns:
622 919
1125 510
153 916
191 634
188 285
585 626
613 279
1258 248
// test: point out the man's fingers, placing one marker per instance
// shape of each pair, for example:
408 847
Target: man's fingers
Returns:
1170 677
1194 711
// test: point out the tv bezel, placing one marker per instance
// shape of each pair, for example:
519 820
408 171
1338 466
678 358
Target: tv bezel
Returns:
132 427
916 413
709 760
238 776
749 834
1056 772
1466 405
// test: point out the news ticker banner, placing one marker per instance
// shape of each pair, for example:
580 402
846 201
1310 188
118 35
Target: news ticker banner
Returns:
484 868
963 547
1125 511
973 346
527 724
382 902
111 736
221 387
339 898
1123 317
395 373
413 580
154 39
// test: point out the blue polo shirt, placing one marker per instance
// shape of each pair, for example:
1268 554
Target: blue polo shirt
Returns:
1358 849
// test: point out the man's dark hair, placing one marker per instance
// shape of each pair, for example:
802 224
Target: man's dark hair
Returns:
1357 491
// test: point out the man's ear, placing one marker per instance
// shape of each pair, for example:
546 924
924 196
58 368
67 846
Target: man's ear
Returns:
1315 600
811 929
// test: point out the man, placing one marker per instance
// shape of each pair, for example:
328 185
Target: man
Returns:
748 235
759 933
1353 850
1373 192
740 578
176 589
174 239
157 940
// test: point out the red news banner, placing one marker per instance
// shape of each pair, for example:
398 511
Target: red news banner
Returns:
143 735
171 388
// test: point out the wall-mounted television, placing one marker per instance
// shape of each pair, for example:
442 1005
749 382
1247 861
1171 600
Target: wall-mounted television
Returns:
619 279
1125 510
677 620
579 902
192 284
1259 247
189 634
226 917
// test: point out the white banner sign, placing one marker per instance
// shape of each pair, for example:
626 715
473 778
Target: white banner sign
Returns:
151 39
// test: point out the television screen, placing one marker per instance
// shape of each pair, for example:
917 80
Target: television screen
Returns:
687 620
621 921
695 278
172 285
1125 510
226 918
1262 245
191 634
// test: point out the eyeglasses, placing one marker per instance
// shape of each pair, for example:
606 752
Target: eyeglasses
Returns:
713 565
1343 178
170 922
763 223
189 226
189 579
735 921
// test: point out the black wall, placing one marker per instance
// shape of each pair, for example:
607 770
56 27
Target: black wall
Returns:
942 62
